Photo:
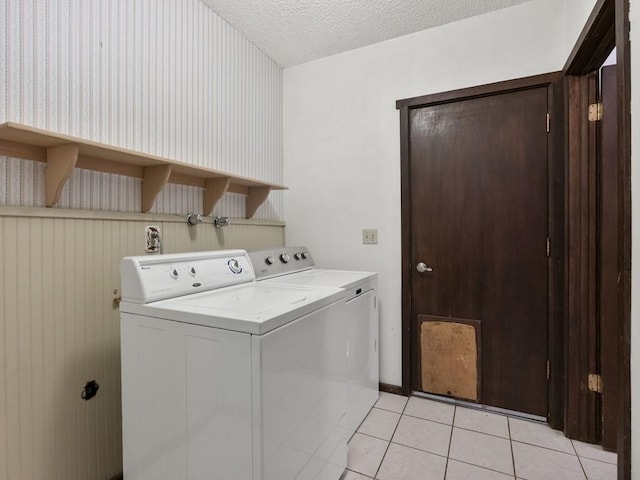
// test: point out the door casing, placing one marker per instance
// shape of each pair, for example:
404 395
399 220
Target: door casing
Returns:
556 306
607 254
607 27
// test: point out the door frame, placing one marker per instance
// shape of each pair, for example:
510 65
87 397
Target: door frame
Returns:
556 191
607 26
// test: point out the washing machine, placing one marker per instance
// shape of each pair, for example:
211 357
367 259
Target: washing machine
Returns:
294 266
226 378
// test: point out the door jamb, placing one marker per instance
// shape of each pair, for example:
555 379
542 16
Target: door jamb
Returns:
608 26
553 81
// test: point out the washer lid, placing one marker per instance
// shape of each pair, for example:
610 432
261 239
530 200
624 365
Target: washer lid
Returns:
251 308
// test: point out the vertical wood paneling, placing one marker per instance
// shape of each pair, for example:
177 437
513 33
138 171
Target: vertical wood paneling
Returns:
25 367
34 296
59 328
169 78
10 349
4 363
50 412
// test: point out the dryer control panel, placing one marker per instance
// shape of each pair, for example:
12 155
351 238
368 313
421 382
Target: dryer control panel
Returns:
150 278
277 261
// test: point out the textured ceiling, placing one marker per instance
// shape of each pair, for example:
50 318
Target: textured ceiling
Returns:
297 31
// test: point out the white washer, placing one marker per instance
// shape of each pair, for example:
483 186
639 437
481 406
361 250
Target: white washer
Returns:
226 378
295 266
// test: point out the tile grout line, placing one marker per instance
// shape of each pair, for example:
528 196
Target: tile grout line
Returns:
480 467
551 449
615 464
453 422
584 472
477 431
410 447
389 442
441 423
465 428
452 425
513 457
581 457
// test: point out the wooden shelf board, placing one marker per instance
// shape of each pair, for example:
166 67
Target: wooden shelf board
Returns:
31 143
25 140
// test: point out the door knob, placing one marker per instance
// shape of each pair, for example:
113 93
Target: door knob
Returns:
422 268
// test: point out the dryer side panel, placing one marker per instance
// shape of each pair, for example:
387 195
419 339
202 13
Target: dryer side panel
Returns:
303 387
362 357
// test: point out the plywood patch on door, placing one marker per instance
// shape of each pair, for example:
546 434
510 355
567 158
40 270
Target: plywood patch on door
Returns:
450 357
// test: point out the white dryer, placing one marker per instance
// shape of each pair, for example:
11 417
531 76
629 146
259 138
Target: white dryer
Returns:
294 266
224 378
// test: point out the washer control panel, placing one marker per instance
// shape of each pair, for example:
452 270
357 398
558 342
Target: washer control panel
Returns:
158 277
235 266
278 261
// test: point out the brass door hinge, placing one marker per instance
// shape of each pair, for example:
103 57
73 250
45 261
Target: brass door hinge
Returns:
595 112
548 123
548 370
595 383
548 247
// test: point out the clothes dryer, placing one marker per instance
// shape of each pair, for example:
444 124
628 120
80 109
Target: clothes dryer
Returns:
294 266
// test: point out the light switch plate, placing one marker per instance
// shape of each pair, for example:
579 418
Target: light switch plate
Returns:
369 236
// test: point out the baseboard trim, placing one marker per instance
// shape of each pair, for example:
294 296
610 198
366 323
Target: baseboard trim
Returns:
395 389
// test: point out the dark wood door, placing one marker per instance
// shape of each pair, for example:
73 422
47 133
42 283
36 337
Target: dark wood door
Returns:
479 223
607 254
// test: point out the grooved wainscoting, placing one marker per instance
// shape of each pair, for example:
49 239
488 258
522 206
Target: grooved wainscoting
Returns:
59 328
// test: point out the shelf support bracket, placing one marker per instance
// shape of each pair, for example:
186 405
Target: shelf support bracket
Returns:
61 161
214 189
155 178
255 197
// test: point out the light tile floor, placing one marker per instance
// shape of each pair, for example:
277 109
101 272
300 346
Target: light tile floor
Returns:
419 439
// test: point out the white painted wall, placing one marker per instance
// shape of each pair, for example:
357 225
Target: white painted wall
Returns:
341 134
578 12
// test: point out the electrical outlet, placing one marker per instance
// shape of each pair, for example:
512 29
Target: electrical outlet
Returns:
152 239
369 236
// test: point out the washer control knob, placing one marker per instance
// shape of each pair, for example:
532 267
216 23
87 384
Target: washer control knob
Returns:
192 271
305 255
298 256
234 266
269 260
285 258
174 273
